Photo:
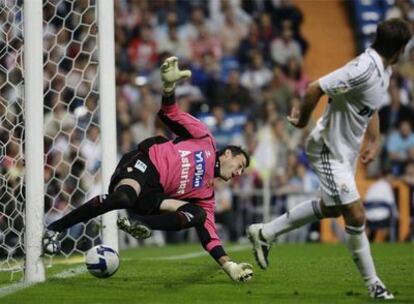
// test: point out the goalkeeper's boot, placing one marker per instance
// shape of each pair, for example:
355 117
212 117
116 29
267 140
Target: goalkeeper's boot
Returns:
378 290
261 246
50 242
135 228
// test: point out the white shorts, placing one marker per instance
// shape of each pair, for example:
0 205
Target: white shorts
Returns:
337 179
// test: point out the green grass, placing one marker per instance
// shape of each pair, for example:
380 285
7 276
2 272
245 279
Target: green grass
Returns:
309 273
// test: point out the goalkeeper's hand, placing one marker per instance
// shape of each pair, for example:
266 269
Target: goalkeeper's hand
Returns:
171 74
242 272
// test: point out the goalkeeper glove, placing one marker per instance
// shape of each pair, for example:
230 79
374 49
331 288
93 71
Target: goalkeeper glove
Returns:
242 272
171 74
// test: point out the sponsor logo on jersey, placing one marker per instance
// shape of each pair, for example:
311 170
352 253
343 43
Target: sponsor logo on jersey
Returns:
200 169
141 166
185 169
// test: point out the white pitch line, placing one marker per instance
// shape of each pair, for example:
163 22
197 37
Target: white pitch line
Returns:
10 289
197 254
6 290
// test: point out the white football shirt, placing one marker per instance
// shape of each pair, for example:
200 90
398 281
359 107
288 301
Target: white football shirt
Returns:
355 92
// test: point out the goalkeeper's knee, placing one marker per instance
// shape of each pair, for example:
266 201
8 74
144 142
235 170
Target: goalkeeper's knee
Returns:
191 215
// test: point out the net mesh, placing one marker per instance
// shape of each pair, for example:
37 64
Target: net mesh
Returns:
11 135
71 122
72 137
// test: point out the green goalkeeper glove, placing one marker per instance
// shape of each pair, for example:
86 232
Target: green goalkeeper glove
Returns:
242 272
171 74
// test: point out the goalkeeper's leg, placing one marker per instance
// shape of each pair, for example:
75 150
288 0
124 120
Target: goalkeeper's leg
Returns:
177 215
124 197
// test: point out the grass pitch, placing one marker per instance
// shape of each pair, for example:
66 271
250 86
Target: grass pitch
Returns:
308 273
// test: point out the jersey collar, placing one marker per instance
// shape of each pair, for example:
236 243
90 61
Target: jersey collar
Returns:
377 60
217 167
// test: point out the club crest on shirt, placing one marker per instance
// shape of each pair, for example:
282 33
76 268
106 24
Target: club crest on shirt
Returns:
344 189
200 168
339 88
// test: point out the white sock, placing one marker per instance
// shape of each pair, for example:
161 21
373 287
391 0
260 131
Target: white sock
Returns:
304 213
357 242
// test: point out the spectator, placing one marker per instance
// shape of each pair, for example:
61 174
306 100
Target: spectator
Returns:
142 51
90 149
279 92
287 15
250 44
233 96
392 114
256 76
295 76
190 31
171 43
285 47
272 150
231 31
408 176
398 145
205 43
205 75
380 207
224 130
224 212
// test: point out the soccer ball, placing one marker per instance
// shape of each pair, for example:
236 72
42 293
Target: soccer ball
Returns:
102 261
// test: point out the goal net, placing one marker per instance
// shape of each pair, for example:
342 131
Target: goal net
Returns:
72 127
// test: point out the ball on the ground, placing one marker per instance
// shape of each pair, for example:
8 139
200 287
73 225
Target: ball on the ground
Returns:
102 261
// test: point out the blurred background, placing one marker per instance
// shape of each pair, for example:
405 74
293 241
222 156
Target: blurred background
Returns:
251 61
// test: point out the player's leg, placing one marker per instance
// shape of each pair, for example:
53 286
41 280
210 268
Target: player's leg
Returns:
124 197
262 235
358 244
175 215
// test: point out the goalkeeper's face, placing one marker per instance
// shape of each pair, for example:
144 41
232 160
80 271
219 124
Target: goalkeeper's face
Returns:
231 166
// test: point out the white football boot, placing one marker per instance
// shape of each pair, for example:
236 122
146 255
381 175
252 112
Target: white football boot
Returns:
378 290
261 246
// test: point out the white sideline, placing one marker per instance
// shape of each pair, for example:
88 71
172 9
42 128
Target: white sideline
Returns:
10 289
7 290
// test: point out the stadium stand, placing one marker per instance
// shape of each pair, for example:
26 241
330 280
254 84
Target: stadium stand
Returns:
239 88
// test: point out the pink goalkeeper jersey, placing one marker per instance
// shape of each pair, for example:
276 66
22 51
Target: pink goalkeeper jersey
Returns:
186 165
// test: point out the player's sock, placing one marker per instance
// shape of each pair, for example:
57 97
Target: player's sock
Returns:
304 213
357 242
186 216
124 197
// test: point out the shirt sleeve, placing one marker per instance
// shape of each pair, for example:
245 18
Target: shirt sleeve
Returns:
346 78
181 123
208 236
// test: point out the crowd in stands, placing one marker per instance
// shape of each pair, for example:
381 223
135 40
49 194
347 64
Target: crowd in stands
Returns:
246 60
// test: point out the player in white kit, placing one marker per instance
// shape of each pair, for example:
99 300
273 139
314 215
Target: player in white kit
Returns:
355 92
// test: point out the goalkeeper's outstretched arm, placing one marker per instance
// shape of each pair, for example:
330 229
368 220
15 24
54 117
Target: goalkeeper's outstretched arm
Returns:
181 123
239 272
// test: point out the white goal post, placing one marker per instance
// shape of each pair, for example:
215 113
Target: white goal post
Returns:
71 66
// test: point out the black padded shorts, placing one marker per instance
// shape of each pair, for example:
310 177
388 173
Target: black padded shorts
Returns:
137 165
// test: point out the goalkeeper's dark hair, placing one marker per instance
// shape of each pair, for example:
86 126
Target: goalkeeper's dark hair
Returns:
235 150
392 35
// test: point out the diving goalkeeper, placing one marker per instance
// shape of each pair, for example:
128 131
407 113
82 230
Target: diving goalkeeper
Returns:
168 183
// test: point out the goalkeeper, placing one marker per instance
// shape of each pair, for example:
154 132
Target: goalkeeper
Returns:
168 183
